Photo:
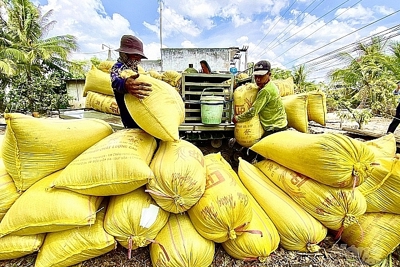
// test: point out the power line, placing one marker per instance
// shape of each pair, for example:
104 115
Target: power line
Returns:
325 64
314 31
345 36
275 23
302 29
352 47
280 38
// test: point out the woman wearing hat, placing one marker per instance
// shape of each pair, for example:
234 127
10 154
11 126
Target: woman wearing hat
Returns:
130 55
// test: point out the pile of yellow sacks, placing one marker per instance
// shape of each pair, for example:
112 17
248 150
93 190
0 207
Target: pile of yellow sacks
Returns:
80 183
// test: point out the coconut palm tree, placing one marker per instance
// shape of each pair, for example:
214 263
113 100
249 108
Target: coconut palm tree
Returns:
24 49
24 30
394 49
365 72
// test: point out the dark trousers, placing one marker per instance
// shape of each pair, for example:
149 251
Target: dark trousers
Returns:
395 122
266 133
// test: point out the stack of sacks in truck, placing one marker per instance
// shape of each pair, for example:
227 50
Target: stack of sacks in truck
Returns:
99 94
77 182
161 121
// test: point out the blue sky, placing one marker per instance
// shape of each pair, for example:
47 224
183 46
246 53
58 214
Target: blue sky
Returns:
286 32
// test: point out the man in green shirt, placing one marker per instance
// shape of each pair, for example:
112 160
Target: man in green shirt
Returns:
268 104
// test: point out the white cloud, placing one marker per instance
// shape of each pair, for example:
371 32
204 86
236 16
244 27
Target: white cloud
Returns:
152 50
187 44
174 24
383 10
355 15
261 24
89 23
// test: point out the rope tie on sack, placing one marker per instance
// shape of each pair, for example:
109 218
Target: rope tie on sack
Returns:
361 171
179 201
377 186
138 241
157 193
339 233
241 229
312 247
348 220
161 246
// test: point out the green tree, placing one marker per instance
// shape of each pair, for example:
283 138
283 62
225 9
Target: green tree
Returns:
300 74
278 73
394 66
24 49
365 76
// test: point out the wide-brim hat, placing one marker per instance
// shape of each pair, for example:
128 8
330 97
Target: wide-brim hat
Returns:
131 45
262 67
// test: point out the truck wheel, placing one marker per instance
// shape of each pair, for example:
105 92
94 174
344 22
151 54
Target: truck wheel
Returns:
235 158
216 143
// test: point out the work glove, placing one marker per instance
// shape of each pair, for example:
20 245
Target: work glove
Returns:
138 89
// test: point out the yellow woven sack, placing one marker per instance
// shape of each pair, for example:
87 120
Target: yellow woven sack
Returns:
296 111
97 81
84 243
159 114
179 244
224 210
260 241
8 191
336 208
141 70
285 86
116 165
376 236
134 219
155 74
39 210
384 146
179 176
298 230
1 143
249 132
172 77
36 147
106 66
329 158
13 246
316 107
101 102
382 188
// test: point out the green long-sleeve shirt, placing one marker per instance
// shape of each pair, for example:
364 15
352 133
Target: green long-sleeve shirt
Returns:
269 106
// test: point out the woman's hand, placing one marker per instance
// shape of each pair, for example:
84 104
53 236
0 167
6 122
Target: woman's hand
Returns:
138 89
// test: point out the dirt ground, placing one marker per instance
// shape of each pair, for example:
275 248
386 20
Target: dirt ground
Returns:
332 254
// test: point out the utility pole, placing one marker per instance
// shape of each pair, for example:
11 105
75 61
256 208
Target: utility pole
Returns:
161 2
109 51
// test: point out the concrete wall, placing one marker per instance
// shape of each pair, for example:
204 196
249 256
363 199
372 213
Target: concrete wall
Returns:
75 90
151 64
178 59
